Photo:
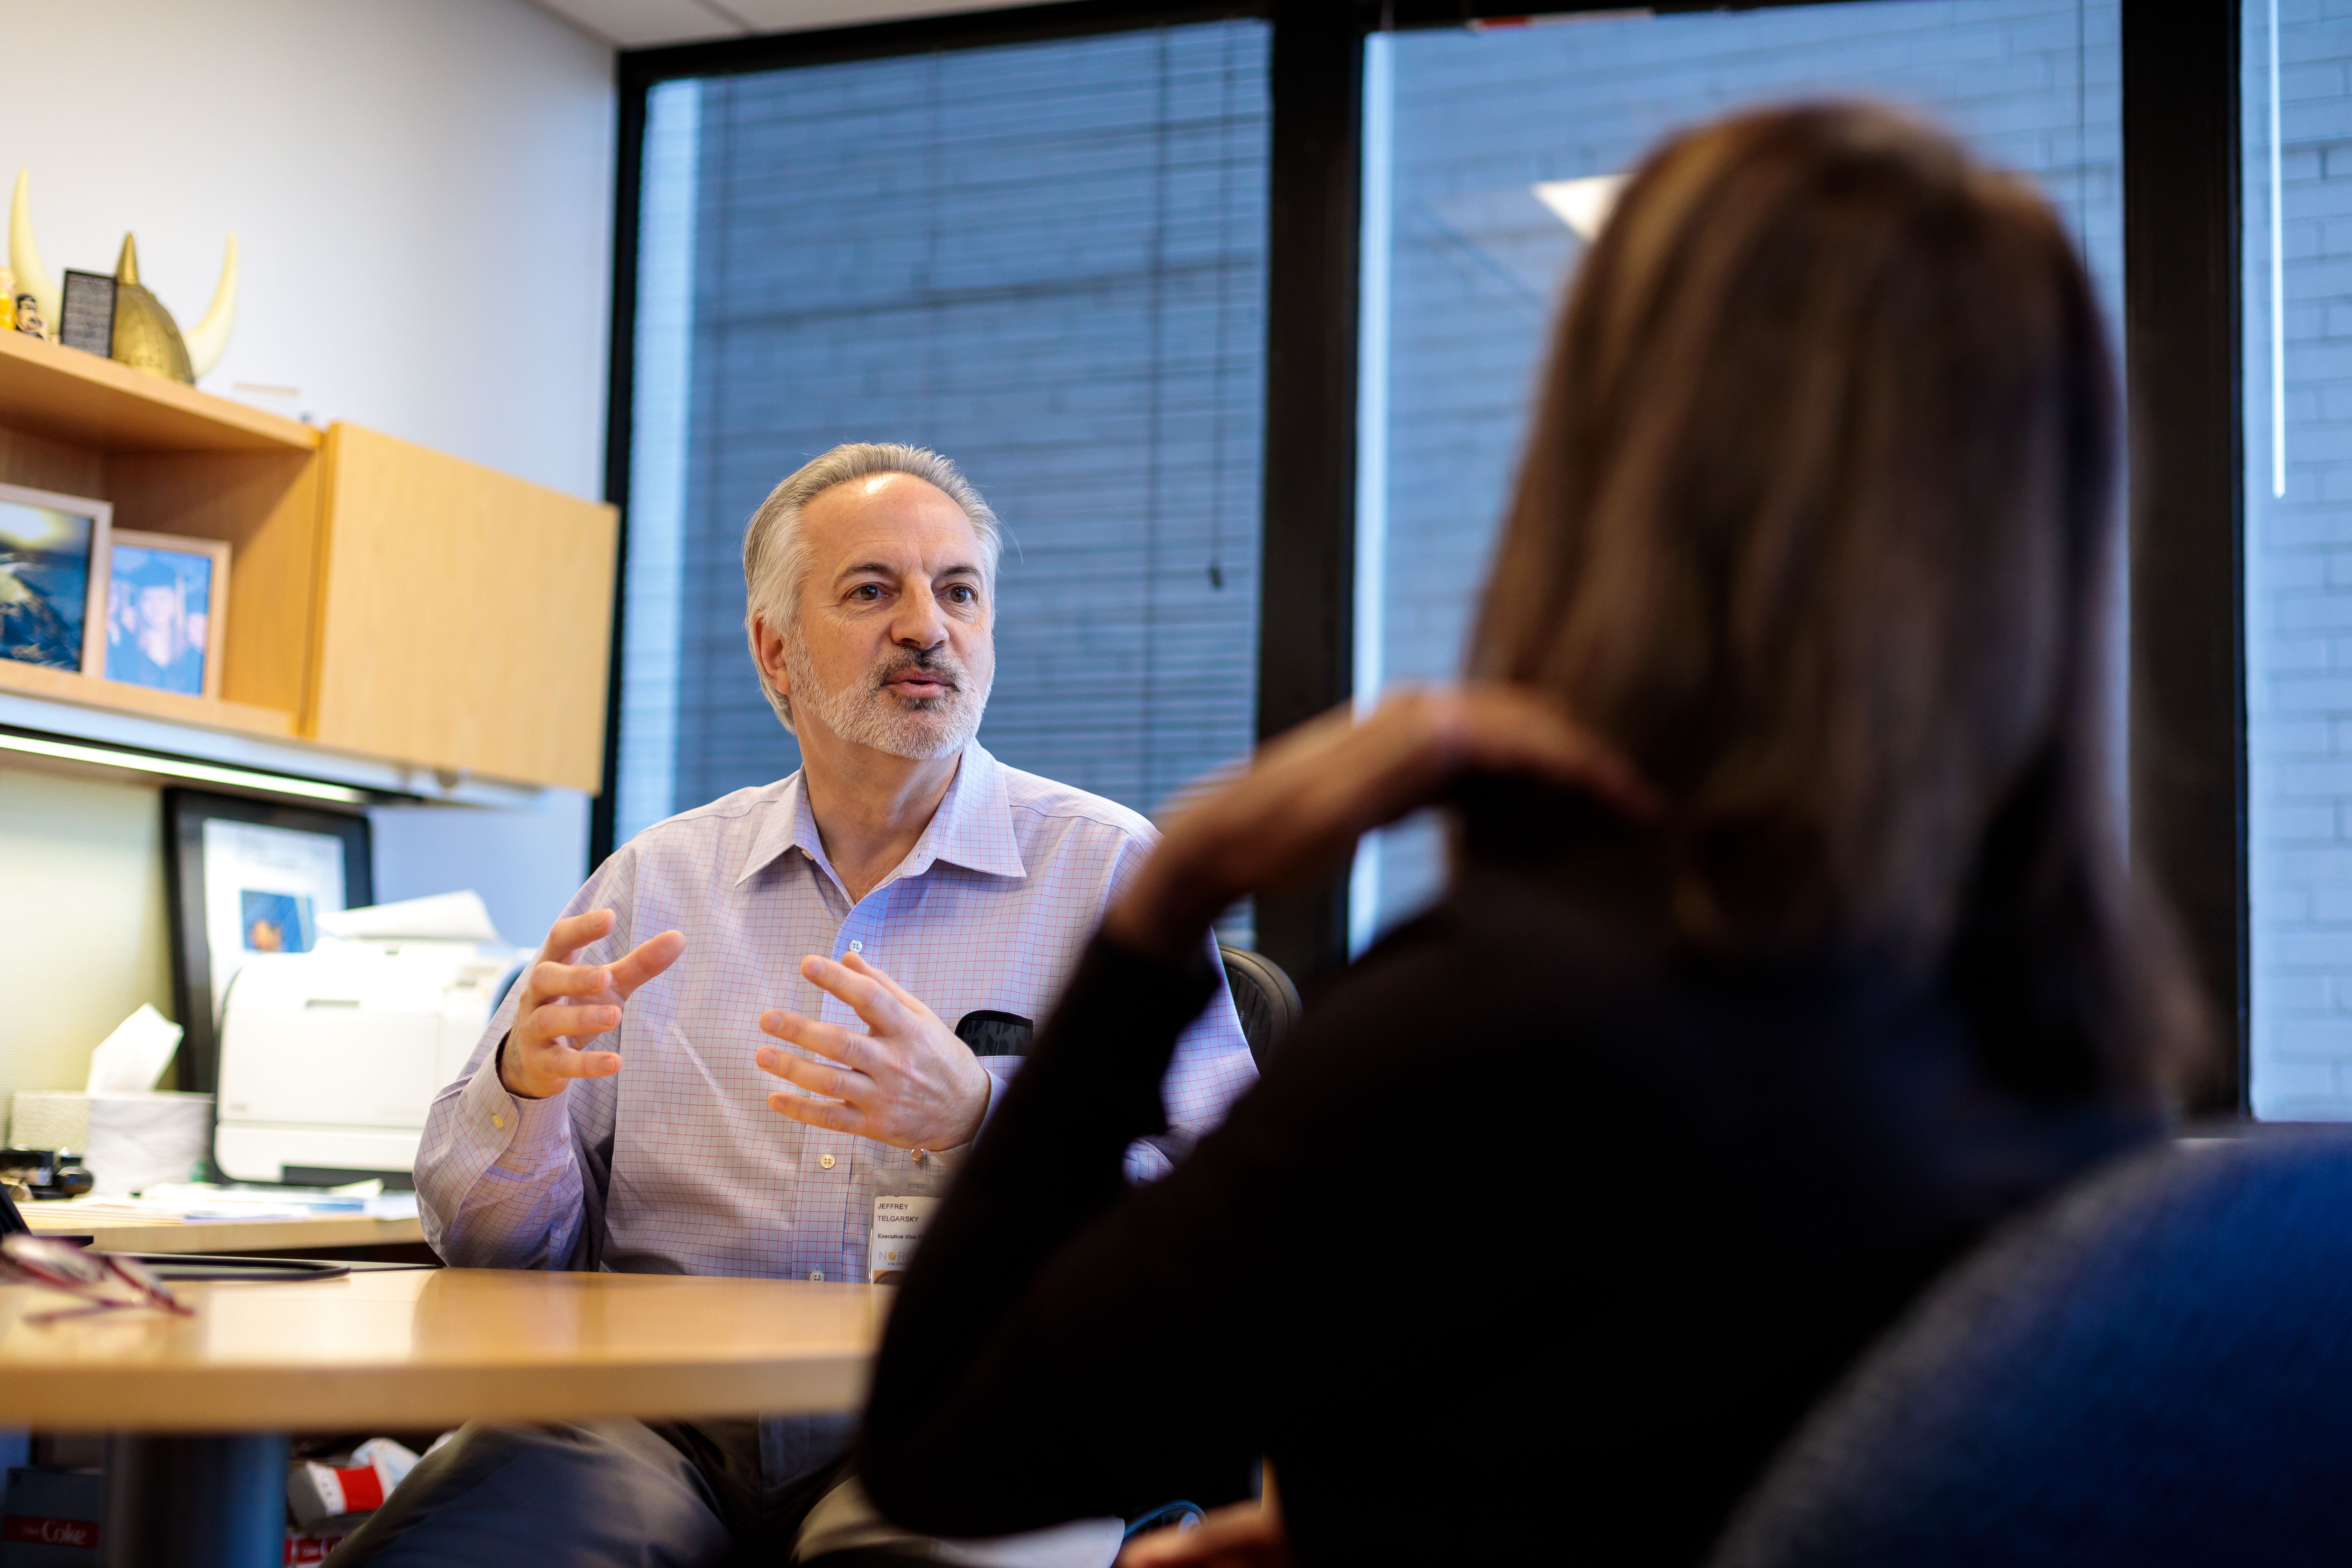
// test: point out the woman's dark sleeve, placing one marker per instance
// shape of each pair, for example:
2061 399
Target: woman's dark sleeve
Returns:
1064 1345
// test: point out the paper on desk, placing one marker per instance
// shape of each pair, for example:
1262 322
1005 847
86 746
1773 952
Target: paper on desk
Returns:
132 1058
203 1201
443 917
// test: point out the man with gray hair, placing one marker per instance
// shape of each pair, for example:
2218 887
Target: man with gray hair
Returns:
763 1015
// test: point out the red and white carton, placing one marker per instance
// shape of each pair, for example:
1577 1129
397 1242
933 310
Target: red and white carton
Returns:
52 1517
307 1544
52 1522
316 1491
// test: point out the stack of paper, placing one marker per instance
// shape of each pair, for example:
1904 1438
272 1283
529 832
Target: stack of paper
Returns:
205 1201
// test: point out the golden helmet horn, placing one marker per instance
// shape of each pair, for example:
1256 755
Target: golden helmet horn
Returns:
208 340
24 257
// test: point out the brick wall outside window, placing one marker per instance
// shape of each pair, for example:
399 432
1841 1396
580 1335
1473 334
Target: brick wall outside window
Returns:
2299 564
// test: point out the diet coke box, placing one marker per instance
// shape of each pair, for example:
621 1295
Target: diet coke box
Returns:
309 1544
52 1517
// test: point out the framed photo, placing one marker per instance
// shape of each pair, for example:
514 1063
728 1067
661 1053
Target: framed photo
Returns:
166 611
244 877
86 313
53 559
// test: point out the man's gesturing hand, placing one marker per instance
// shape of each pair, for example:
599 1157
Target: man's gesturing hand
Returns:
565 1004
908 1082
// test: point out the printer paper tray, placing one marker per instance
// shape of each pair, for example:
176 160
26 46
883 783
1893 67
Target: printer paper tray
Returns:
249 1152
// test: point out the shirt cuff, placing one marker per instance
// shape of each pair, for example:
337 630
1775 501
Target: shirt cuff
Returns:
999 1078
524 1128
999 1071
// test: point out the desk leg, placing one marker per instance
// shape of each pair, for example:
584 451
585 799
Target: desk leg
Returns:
206 1501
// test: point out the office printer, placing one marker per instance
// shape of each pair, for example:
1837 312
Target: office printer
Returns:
329 1059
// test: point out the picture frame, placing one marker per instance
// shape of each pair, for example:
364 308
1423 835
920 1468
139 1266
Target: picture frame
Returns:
86 313
166 612
54 552
245 876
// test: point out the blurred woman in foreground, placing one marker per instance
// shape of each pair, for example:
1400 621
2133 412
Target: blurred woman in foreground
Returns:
1789 947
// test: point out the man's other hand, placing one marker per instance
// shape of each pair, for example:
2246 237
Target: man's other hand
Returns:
565 1005
908 1081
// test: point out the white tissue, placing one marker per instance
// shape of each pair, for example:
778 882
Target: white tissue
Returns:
443 917
137 1141
132 1058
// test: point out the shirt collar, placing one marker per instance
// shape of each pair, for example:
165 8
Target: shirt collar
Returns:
972 828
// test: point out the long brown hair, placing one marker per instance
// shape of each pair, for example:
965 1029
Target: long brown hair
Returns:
1817 520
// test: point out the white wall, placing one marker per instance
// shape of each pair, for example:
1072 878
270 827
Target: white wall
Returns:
422 192
423 195
526 865
82 932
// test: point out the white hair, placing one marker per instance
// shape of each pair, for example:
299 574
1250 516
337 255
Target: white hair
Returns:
776 562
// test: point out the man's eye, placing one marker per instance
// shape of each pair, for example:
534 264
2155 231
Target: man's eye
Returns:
961 595
869 591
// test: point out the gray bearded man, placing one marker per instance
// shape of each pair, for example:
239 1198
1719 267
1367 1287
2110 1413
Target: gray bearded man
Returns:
759 1016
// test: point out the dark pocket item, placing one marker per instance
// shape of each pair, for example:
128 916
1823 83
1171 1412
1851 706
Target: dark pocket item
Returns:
993 1034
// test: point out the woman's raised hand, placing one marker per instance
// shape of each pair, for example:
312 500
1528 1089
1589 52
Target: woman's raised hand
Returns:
1309 794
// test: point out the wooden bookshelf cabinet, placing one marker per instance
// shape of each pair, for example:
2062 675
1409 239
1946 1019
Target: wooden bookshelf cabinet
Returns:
384 600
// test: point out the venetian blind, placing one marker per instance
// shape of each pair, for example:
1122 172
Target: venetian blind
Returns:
1047 261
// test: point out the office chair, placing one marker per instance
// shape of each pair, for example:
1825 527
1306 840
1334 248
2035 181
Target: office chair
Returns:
2153 1371
1264 996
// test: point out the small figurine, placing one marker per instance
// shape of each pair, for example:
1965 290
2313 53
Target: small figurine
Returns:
28 317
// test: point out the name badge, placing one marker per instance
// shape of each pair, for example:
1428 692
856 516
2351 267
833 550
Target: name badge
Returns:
899 1221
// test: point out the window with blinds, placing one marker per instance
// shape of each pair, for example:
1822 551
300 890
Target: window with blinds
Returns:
1488 157
1045 261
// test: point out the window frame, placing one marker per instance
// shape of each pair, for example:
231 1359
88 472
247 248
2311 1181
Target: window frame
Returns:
2186 590
638 73
2186 527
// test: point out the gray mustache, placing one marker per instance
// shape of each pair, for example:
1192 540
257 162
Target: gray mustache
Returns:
947 670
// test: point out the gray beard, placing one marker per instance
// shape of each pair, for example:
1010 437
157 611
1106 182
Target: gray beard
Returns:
868 715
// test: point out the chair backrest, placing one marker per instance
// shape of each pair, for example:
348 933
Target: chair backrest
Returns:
2157 1369
1264 996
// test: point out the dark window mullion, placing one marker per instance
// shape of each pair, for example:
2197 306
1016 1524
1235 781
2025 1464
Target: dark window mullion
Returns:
1305 650
2181 299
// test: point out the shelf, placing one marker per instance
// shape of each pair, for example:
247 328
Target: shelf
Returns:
281 753
206 712
81 400
504 691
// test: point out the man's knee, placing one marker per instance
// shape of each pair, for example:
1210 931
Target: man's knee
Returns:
610 1495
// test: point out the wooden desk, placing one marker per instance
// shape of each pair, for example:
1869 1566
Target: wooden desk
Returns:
115 1233
402 1348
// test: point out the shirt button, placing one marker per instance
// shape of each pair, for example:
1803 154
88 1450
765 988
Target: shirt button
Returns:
857 947
498 1122
826 1160
816 1275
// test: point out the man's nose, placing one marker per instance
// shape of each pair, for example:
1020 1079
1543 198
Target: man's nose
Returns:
921 623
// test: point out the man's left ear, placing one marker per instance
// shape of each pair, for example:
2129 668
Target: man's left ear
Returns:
779 671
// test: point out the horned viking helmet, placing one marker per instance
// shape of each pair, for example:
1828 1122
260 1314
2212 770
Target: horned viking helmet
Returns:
145 335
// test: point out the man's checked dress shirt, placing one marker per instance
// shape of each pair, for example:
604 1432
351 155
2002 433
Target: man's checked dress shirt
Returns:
675 1165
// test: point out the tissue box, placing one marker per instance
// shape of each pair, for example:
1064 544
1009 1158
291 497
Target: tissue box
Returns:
128 1141
49 1119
